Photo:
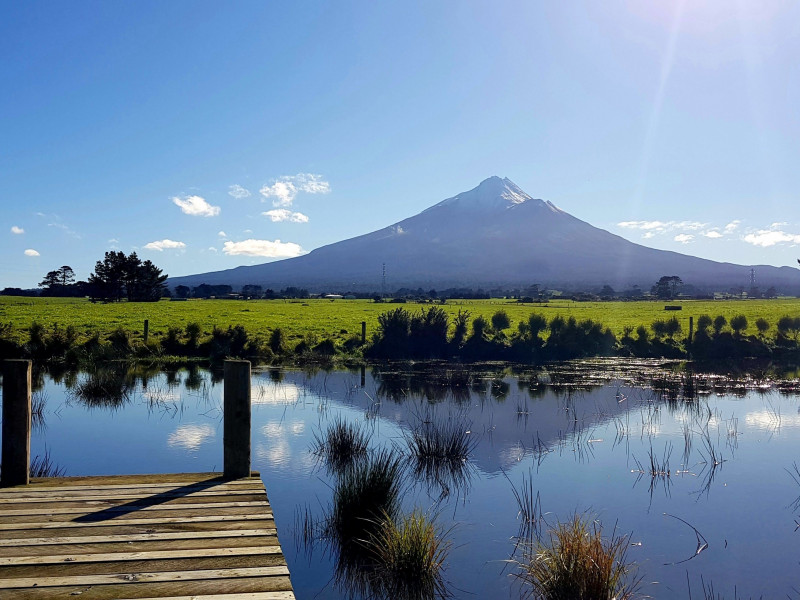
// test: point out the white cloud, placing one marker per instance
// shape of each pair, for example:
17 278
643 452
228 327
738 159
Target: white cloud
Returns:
767 237
17 230
191 436
732 226
265 248
31 252
196 206
164 245
713 234
648 235
222 234
683 238
284 189
278 215
663 226
212 249
238 191
113 241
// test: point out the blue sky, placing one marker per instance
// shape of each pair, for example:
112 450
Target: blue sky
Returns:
207 135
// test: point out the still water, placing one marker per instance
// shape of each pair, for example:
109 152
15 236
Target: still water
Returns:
582 433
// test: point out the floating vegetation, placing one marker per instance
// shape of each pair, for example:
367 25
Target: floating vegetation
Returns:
342 444
578 564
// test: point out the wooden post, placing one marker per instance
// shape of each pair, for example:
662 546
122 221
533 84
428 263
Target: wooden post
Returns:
16 456
691 328
146 329
363 376
363 332
236 414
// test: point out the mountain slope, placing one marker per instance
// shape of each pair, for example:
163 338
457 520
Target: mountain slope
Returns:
492 235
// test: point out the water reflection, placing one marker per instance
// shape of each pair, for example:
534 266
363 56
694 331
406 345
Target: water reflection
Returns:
191 436
629 441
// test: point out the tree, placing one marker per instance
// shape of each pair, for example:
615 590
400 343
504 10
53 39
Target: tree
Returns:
58 282
667 287
719 324
182 291
500 320
119 276
251 291
762 325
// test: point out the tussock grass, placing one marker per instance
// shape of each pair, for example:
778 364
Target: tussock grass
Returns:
342 444
440 452
408 558
365 494
579 564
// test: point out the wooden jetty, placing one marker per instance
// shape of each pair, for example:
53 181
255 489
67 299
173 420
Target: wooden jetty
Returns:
185 536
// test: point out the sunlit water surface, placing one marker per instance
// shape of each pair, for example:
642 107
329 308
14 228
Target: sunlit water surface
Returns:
581 433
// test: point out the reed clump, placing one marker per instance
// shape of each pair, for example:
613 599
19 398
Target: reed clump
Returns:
342 444
408 558
365 494
579 564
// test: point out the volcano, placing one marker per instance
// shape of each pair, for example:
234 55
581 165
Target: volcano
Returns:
494 235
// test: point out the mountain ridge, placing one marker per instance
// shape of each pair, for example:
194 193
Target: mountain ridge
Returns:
495 235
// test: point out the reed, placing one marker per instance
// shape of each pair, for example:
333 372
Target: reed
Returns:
408 558
43 466
578 564
342 444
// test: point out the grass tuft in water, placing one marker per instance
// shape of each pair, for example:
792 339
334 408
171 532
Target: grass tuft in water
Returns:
408 558
342 443
365 494
43 466
578 564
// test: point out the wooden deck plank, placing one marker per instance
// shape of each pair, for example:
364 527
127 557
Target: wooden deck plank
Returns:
157 590
141 536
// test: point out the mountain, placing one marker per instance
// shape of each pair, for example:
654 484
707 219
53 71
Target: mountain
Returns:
495 235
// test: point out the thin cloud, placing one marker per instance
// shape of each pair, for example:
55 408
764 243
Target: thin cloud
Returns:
768 237
31 252
238 192
683 238
663 226
164 245
67 230
712 234
222 234
196 206
284 190
279 215
17 230
263 248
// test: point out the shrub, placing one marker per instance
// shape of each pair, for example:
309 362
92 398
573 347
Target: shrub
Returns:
277 341
500 320
739 324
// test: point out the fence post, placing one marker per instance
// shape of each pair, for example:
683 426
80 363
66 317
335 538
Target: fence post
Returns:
16 453
236 414
146 329
691 328
363 332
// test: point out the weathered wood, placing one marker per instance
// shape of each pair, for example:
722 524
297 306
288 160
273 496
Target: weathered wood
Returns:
363 332
110 578
158 589
146 329
16 447
236 419
147 537
247 596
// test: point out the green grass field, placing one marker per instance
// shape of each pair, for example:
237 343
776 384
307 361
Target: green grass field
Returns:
340 319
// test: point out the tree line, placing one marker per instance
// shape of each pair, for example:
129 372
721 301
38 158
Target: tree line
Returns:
118 276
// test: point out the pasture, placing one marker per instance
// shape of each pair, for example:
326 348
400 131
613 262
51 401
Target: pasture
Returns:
341 319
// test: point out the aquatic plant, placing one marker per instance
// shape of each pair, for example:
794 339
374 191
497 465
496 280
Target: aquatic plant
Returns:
365 494
43 466
342 443
578 564
408 558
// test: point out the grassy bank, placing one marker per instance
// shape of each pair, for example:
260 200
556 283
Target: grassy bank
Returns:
341 319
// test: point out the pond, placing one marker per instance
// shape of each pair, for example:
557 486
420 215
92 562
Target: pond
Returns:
699 469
